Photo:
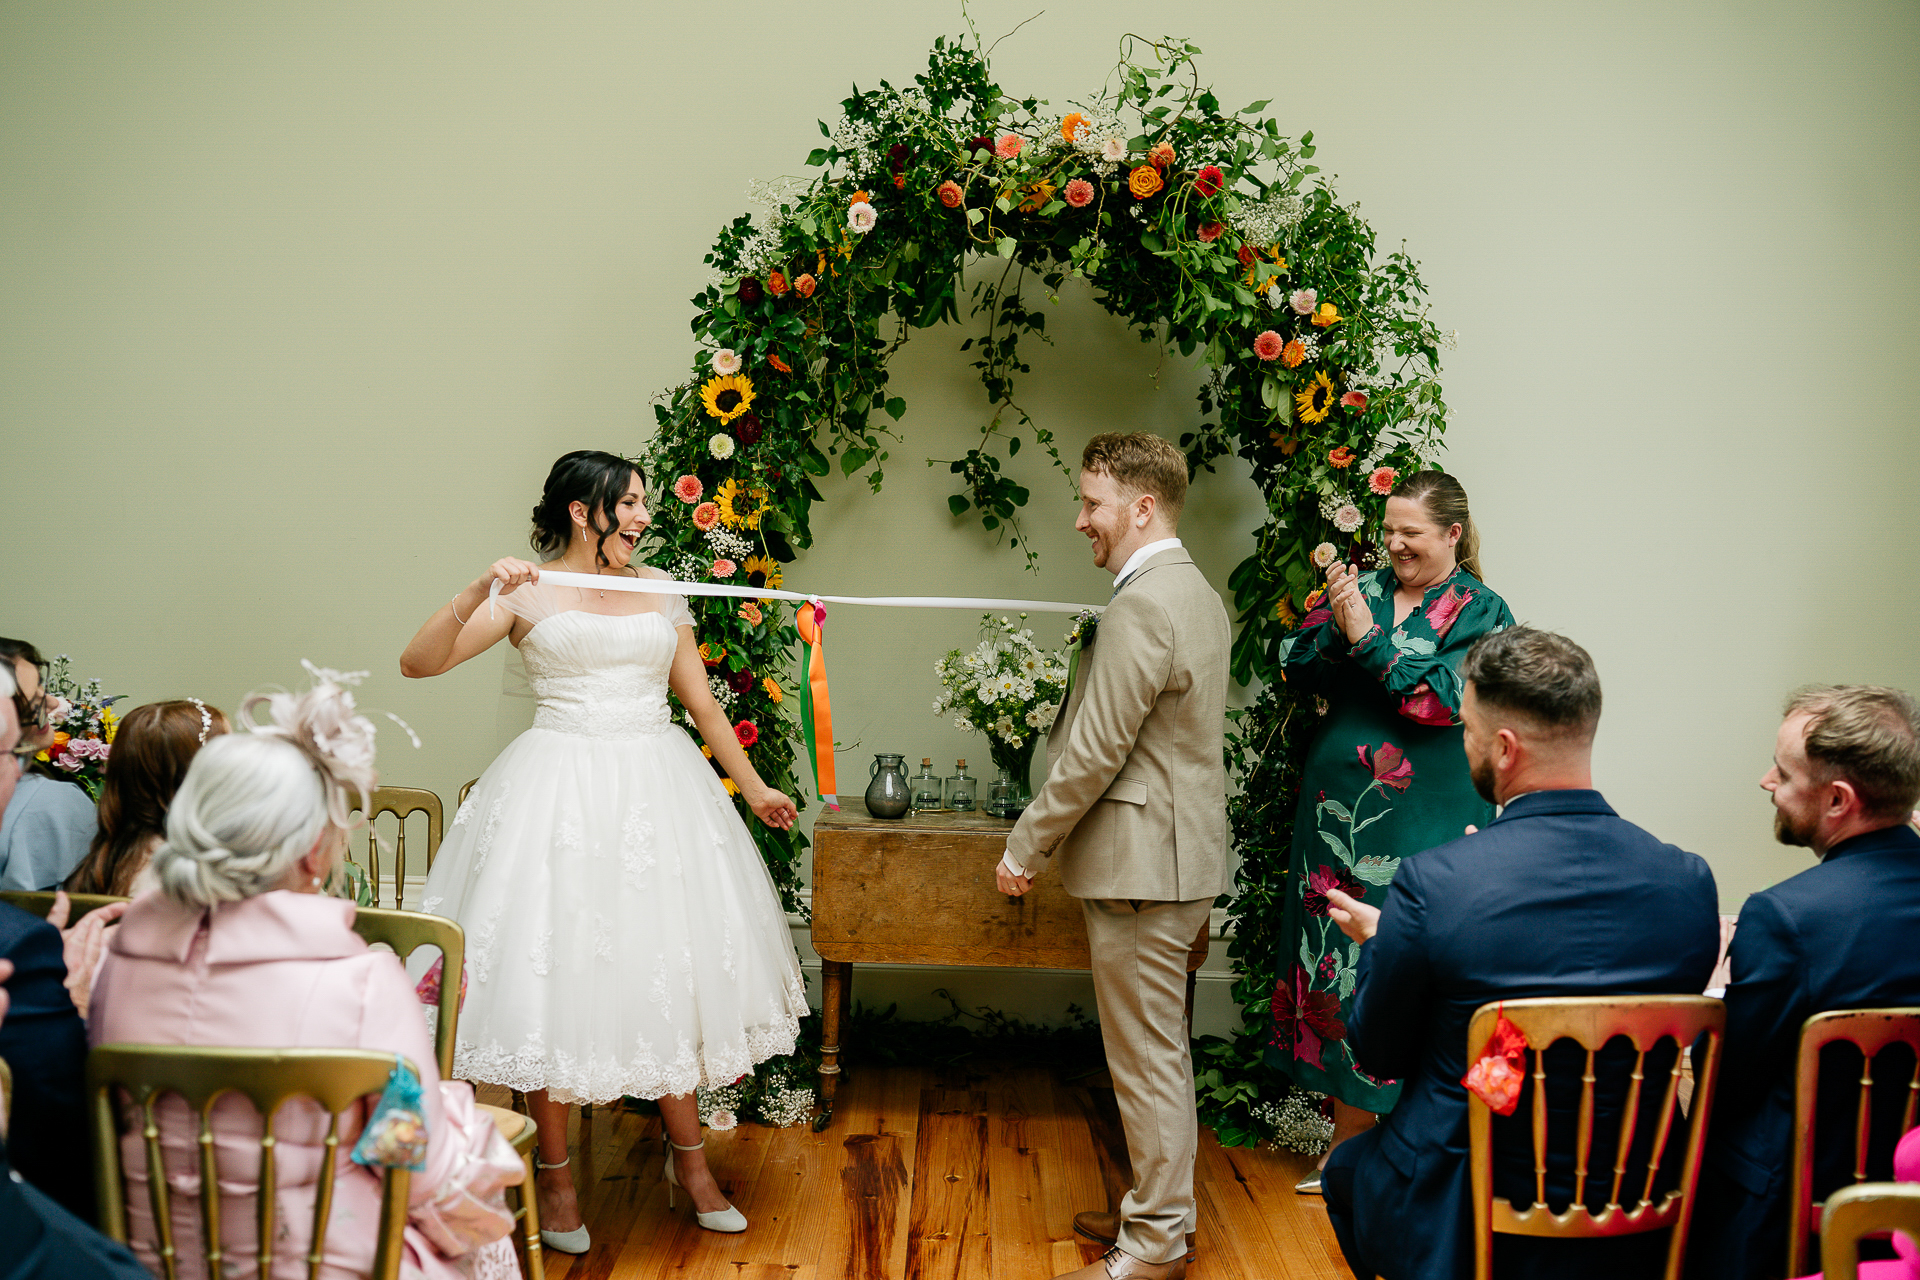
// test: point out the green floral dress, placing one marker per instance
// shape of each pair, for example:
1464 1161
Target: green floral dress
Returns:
1385 778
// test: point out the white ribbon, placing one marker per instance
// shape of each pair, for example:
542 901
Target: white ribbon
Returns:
669 587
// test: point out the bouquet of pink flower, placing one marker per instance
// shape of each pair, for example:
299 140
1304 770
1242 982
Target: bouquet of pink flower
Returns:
83 727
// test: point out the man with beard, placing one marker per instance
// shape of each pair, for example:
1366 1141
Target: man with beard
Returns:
1559 896
1844 934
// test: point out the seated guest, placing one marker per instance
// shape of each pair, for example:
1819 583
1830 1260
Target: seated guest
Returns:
1558 896
151 752
43 1043
238 946
1844 934
48 824
1905 1264
39 1240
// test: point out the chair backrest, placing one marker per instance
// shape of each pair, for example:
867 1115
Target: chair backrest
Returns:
1872 1030
6 1098
41 903
334 1078
471 783
401 802
405 931
1856 1212
1592 1021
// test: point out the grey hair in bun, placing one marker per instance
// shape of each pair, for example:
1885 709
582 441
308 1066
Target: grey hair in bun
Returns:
250 807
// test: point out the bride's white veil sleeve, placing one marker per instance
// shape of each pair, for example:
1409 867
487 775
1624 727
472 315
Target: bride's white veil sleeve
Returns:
675 607
532 601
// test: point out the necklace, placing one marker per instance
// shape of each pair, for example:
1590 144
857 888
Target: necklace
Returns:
571 569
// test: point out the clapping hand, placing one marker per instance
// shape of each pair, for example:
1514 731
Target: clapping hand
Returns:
81 946
1350 611
1356 919
774 809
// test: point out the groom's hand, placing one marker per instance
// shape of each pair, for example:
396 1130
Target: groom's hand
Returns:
1010 884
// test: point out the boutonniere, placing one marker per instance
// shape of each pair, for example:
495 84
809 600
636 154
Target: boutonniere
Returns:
1085 623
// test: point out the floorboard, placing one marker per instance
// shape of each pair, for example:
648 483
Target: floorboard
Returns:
963 1173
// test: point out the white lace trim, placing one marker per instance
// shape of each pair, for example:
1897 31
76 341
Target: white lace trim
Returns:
566 1079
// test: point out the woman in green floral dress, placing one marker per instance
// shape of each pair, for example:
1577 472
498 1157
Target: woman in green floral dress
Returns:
1386 777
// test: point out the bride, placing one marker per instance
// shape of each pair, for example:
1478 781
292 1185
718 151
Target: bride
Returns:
624 937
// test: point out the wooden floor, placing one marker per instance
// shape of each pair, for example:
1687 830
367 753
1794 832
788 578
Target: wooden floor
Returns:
927 1175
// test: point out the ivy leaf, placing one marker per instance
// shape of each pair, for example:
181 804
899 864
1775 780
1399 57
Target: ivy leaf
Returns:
896 408
1256 108
1269 391
816 157
853 459
957 503
974 215
1006 246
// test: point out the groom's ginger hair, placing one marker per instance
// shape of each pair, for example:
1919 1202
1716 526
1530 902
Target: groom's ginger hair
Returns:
1141 462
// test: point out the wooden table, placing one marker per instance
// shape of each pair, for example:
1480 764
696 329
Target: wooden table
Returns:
921 890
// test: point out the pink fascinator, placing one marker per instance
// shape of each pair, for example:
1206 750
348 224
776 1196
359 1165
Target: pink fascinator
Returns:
325 724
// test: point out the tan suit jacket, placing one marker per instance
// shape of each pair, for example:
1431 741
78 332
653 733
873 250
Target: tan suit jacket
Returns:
1135 802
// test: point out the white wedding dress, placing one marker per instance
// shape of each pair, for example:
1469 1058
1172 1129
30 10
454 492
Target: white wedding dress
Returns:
623 935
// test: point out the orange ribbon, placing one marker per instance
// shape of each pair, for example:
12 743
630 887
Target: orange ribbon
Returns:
816 709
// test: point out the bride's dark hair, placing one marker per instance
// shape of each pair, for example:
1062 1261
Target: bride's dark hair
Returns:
588 476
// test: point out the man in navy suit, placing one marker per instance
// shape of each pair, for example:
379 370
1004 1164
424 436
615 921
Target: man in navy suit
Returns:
1844 934
1559 896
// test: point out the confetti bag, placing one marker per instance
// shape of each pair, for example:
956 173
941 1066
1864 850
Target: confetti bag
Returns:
396 1135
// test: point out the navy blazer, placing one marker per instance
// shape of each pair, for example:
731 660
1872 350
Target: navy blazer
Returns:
1841 935
1557 896
45 1045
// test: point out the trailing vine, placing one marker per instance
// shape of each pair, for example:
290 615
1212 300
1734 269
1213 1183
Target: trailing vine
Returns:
1210 233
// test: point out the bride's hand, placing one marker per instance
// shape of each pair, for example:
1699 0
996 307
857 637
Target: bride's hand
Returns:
774 809
509 573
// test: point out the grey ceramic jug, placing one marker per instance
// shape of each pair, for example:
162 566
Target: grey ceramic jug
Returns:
888 794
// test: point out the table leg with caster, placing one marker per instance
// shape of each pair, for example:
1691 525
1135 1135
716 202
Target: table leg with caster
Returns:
836 983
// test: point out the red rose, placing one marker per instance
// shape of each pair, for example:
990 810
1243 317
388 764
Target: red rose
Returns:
1210 231
1245 255
746 733
750 291
1209 181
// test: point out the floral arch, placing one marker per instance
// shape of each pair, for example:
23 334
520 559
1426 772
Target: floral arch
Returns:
1208 232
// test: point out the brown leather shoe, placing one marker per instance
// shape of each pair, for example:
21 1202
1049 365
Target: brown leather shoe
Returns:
1105 1227
1118 1264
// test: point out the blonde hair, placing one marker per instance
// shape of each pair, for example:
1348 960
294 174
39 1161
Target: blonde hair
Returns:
1868 734
1442 497
1141 462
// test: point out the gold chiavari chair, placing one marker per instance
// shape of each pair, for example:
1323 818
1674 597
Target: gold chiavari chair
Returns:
401 802
6 1099
406 932
1592 1021
471 783
520 1132
335 1078
1871 1030
41 903
1856 1212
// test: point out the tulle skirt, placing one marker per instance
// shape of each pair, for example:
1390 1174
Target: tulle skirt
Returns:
623 935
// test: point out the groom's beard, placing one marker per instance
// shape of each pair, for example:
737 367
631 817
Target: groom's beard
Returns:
1480 770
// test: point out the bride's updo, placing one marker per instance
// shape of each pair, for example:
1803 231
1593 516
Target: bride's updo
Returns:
251 807
593 478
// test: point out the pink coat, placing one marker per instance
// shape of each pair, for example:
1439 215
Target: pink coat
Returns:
280 970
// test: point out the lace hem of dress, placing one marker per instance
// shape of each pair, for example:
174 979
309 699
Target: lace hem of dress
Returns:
566 1079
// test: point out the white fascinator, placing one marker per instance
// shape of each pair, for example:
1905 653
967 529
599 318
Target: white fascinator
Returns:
327 726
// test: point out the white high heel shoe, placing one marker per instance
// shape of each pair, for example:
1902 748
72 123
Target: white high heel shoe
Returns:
575 1241
729 1219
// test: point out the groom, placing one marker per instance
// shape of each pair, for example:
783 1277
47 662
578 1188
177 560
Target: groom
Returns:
1135 807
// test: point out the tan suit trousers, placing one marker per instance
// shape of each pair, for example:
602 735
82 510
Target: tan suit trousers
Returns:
1140 953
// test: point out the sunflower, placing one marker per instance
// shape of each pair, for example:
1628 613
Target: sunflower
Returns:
765 569
740 506
727 397
1317 399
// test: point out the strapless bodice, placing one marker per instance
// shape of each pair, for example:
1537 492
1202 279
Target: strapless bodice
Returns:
601 675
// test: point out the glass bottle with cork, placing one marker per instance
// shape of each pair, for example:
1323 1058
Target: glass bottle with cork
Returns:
961 787
928 791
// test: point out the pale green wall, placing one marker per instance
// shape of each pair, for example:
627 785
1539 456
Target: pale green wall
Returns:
300 300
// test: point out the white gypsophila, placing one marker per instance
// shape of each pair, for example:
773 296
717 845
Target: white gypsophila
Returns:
1263 221
720 445
688 568
1309 344
1296 1122
721 693
785 1108
728 543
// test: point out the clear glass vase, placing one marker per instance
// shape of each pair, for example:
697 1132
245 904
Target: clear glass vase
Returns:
1017 763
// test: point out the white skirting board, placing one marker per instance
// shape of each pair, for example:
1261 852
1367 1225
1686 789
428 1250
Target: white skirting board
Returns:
1035 995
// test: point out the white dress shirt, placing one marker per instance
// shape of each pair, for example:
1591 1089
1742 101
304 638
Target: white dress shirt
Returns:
1134 561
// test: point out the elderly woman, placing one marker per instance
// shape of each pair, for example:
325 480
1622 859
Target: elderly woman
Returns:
238 946
1386 776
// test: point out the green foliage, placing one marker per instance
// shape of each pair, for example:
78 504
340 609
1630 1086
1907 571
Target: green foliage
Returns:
1204 231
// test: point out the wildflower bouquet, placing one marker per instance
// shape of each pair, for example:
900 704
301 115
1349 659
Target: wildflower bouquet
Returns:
1006 687
83 727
